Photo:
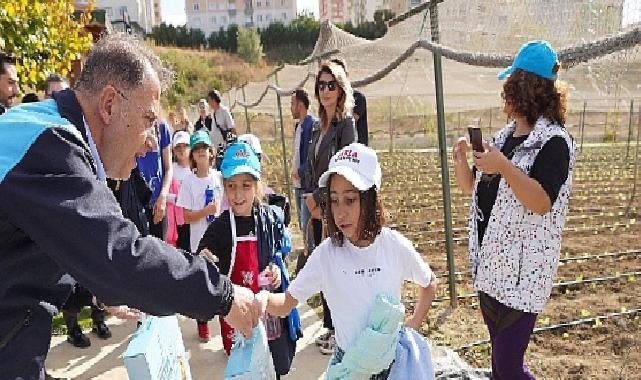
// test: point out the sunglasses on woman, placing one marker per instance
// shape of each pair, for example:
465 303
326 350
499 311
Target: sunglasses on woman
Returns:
331 85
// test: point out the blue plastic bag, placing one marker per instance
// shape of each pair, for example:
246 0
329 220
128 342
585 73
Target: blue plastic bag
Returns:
250 359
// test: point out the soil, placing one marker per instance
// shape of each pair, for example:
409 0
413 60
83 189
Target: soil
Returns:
596 224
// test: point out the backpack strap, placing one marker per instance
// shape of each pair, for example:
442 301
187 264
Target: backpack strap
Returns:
234 240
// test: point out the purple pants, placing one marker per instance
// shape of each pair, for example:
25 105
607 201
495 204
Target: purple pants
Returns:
510 331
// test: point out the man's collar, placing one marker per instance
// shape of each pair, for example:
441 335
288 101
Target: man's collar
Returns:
70 109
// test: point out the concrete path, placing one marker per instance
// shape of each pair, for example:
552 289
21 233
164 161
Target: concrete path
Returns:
103 360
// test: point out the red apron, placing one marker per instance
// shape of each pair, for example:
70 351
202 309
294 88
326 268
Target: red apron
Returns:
244 273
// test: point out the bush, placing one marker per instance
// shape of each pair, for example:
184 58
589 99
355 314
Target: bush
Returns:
249 47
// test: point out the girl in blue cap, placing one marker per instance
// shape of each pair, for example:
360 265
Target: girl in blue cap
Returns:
247 242
200 197
520 188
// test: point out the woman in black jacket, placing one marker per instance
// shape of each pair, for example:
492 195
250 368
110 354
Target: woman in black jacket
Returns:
335 130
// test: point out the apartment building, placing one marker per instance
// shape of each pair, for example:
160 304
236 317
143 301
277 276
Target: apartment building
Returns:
144 13
212 15
354 11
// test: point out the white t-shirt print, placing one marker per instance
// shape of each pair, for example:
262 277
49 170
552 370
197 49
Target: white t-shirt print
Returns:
192 197
351 277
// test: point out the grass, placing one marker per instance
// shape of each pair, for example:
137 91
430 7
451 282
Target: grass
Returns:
84 320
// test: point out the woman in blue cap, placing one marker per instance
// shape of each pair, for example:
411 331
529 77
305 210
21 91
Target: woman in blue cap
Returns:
520 188
247 242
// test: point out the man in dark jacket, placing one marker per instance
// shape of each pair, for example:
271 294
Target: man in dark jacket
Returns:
59 222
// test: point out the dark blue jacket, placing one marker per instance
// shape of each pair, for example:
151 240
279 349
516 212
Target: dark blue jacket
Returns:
307 125
59 223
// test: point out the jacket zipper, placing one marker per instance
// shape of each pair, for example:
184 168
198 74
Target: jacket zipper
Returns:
16 329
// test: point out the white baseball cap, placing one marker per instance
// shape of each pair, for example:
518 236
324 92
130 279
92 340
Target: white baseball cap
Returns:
180 137
253 141
358 164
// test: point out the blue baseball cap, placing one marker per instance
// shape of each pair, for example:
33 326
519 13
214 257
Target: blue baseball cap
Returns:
536 57
199 137
240 158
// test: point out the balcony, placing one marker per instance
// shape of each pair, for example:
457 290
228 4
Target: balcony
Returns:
249 11
232 12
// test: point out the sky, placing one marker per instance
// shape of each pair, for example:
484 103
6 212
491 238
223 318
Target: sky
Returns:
173 11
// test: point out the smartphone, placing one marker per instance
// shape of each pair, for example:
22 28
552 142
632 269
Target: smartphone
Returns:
476 138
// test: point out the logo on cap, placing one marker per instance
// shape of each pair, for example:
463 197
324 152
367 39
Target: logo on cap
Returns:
347 155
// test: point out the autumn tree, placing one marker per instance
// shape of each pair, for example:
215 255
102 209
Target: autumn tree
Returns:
44 36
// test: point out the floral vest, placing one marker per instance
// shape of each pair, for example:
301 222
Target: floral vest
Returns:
518 260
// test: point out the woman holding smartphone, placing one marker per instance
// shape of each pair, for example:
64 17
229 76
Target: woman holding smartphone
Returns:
520 186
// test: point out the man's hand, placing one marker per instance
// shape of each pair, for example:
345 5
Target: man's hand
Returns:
159 208
413 323
295 176
123 312
314 209
244 313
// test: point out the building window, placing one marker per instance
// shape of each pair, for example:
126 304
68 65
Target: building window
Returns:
223 19
268 3
282 3
284 16
213 20
248 19
197 23
259 4
259 18
196 7
268 17
212 6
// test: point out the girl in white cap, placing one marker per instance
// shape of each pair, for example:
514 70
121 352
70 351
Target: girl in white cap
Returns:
361 259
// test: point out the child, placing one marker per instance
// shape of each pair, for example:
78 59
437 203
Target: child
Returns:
178 230
361 259
247 240
197 188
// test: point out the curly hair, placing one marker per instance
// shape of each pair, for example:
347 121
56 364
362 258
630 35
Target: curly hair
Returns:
532 96
345 99
370 222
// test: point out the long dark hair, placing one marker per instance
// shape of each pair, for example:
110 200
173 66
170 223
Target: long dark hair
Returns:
370 222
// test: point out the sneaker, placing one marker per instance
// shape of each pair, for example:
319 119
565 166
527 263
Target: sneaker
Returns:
101 330
321 340
329 347
203 332
78 339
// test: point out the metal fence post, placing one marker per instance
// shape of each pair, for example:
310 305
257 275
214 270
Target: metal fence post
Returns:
585 104
627 147
636 167
391 128
442 147
248 128
282 141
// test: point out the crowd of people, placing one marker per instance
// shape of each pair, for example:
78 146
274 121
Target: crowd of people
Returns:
107 205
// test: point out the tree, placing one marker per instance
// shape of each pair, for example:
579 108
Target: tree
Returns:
44 37
249 47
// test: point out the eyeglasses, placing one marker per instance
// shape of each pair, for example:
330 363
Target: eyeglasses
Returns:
152 132
331 85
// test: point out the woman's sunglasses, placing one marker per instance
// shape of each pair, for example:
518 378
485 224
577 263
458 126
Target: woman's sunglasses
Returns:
331 85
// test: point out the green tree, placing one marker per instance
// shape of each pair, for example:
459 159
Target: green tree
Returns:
249 47
44 36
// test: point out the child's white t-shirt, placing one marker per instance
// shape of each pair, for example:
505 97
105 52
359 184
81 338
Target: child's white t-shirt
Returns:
180 173
351 277
192 197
